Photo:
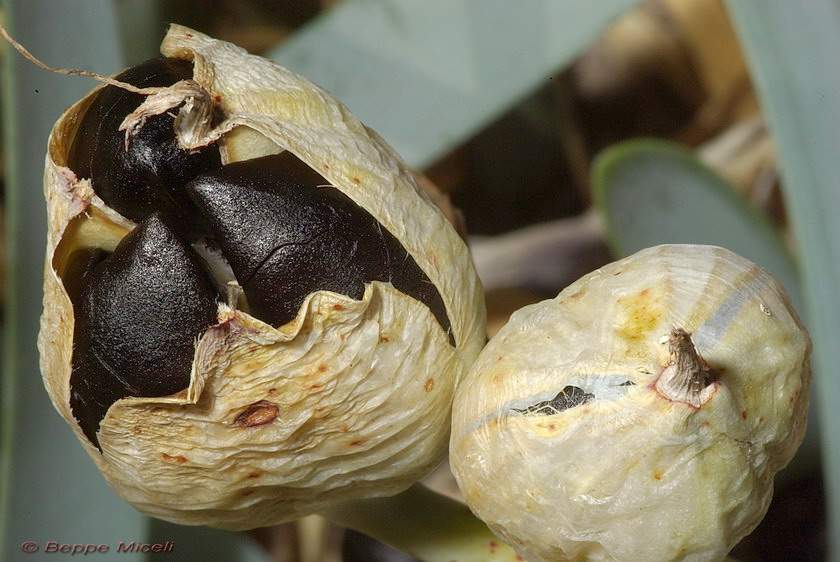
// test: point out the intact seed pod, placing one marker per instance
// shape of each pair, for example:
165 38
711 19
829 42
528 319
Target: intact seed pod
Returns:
640 415
251 309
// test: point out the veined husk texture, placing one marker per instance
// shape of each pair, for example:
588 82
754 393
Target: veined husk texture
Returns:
630 474
363 388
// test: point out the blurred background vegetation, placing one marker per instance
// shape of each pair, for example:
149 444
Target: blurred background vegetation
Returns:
567 132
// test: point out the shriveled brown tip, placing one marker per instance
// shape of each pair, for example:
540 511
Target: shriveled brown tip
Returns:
687 377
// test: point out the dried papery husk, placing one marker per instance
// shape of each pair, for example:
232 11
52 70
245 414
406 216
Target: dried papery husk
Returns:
351 399
624 465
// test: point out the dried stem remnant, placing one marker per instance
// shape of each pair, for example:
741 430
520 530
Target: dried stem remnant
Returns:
688 377
192 122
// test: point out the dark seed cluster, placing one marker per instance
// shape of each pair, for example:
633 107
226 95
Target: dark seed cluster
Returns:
283 231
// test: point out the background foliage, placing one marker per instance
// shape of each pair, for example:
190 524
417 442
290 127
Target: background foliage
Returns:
568 131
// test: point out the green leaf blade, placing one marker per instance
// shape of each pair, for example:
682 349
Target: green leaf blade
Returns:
793 51
427 75
656 192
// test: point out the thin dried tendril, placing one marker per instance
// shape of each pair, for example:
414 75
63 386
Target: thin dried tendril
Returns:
75 72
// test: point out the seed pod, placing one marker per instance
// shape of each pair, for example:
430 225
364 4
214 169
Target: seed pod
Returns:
339 389
640 415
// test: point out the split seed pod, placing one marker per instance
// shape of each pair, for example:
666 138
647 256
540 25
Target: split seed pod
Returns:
265 317
639 415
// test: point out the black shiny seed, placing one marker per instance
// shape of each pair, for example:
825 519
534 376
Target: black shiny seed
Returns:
150 176
138 314
286 234
567 398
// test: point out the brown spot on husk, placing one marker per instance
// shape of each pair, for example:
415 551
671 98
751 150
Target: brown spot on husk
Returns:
175 458
258 413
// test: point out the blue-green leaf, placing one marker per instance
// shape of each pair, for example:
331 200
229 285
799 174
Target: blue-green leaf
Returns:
428 75
793 49
655 192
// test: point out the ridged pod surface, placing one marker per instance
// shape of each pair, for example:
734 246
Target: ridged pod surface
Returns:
639 415
349 399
